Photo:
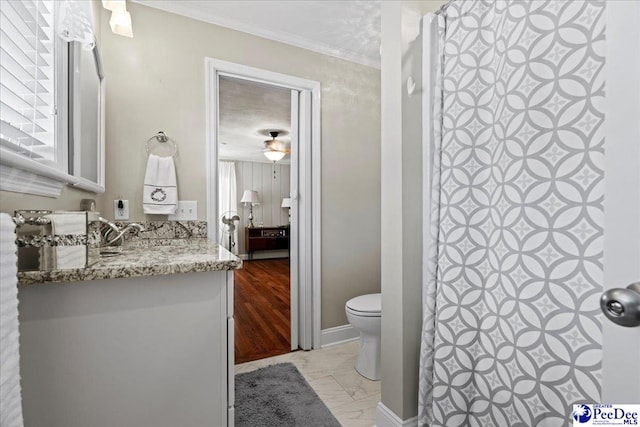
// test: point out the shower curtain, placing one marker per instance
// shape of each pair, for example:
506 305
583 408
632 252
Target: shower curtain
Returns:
513 212
227 201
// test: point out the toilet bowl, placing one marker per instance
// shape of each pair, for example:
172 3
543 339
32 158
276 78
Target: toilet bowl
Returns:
364 314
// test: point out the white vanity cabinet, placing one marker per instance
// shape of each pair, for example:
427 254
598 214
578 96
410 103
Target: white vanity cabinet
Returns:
148 351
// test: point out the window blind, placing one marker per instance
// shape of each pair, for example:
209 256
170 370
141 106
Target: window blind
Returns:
27 79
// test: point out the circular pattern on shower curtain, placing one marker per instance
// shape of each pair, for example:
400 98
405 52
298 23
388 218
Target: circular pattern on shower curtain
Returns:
517 336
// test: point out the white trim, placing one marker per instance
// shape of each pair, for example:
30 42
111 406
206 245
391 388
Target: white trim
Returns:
338 335
294 249
9 158
300 195
37 173
183 9
309 177
620 345
211 149
72 134
316 213
85 184
385 417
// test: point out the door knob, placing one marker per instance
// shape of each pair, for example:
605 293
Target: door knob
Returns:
622 306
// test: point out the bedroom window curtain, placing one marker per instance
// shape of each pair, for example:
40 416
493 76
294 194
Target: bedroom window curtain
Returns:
227 202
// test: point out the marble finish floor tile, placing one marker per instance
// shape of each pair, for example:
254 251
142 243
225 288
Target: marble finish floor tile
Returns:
357 386
331 393
331 373
361 413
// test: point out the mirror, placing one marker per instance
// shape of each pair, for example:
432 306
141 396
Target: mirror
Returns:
86 117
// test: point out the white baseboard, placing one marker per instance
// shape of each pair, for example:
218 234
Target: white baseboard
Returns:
385 417
338 335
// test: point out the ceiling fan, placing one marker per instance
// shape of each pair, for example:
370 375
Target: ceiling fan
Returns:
275 150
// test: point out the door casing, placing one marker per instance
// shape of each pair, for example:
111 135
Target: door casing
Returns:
621 345
307 189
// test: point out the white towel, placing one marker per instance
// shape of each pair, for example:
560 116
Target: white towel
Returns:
10 393
160 194
63 223
65 257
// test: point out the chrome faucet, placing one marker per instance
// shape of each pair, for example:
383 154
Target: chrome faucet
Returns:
185 228
108 229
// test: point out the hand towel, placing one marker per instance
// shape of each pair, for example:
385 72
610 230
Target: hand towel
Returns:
160 194
66 257
63 223
10 393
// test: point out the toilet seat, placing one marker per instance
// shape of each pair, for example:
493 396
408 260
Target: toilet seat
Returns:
369 305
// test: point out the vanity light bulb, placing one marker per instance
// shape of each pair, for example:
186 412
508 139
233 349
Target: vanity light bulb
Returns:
115 5
120 23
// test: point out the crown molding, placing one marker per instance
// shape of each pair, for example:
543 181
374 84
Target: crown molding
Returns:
279 36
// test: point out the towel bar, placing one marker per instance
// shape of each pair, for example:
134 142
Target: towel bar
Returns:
162 138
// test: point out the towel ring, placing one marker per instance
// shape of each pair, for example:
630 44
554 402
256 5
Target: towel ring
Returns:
162 138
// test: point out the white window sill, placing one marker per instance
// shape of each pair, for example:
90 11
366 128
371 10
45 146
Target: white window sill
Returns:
22 175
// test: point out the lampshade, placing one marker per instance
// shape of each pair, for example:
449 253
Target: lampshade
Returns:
286 202
120 23
115 5
274 155
250 196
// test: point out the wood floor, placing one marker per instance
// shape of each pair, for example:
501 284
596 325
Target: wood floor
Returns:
262 309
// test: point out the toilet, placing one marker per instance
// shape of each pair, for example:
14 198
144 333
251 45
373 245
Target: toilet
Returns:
364 314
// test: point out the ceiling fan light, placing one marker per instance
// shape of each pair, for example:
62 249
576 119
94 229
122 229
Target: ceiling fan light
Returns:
275 145
274 156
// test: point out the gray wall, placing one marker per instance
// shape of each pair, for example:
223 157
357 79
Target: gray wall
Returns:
156 81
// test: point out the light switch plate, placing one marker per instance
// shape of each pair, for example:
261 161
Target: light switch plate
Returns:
187 211
121 214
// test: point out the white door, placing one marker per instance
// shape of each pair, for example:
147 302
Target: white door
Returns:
621 345
293 227
301 230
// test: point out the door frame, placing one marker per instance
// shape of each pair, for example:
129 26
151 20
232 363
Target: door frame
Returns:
307 190
620 345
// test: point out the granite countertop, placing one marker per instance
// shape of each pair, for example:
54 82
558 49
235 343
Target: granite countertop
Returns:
173 256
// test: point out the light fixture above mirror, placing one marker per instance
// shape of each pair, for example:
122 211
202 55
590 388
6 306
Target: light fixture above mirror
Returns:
114 5
120 21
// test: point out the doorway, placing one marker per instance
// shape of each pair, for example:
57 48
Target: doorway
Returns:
304 229
254 192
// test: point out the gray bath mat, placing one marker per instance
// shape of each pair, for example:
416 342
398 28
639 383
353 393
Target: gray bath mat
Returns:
279 396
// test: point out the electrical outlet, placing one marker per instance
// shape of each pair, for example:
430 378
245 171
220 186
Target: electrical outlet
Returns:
187 211
121 209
